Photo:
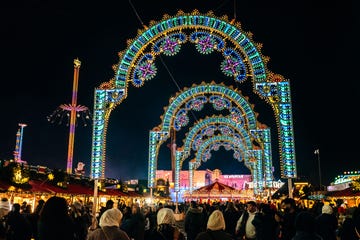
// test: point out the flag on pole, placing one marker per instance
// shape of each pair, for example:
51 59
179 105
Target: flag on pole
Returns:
316 151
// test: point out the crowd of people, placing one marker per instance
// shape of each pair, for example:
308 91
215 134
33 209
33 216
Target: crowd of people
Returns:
56 219
285 220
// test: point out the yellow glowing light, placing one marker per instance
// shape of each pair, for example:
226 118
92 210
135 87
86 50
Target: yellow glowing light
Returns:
51 176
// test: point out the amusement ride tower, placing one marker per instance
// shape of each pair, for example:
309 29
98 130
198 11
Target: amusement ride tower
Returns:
74 111
18 145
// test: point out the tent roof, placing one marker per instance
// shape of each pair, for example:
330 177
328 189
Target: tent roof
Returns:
347 192
216 187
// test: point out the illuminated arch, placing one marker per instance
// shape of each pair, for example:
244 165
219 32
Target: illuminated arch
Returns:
221 98
252 158
201 126
242 60
194 98
207 127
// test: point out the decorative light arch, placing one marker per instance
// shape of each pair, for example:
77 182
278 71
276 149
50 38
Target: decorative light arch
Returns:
242 60
194 140
194 98
252 158
200 128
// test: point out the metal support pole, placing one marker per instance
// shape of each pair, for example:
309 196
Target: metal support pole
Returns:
94 220
177 202
290 188
317 152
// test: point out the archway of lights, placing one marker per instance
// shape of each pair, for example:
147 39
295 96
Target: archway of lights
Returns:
208 127
242 60
252 158
241 117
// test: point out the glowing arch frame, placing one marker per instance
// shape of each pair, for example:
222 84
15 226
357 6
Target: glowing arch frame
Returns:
261 136
252 159
161 133
273 88
261 158
209 121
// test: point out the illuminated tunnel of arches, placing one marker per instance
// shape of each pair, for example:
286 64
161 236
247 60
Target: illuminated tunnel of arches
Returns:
242 60
241 116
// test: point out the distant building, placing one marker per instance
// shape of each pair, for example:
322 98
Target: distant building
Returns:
206 177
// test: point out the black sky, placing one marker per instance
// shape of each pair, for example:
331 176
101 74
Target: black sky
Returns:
314 46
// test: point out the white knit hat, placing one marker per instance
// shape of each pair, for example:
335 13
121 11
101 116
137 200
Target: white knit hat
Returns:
216 221
165 216
327 209
111 217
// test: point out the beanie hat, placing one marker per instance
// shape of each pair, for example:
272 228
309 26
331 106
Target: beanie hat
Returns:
327 209
165 216
216 221
111 217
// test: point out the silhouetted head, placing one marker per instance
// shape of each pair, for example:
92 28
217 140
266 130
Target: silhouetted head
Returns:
305 222
193 204
16 207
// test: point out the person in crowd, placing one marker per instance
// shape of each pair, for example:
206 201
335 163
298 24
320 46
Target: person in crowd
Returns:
287 221
17 226
194 221
265 225
4 207
166 229
126 220
305 227
54 221
327 223
231 215
357 224
4 210
135 226
80 219
150 221
244 226
108 205
215 228
347 230
109 229
34 218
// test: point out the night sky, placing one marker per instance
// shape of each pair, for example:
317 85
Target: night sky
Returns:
313 46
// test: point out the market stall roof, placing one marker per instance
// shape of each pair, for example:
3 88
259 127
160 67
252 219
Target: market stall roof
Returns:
38 187
133 194
113 192
216 190
347 192
4 186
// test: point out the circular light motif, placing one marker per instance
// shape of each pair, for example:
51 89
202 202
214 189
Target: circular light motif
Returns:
209 131
145 70
233 65
236 116
237 155
227 146
181 119
215 146
219 103
230 66
206 156
196 104
170 46
225 130
197 142
205 44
